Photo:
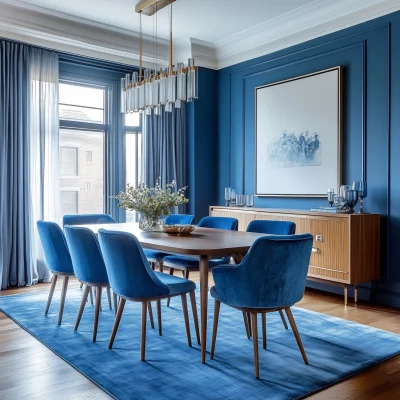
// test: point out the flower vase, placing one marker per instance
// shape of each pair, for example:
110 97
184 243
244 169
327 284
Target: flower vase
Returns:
150 224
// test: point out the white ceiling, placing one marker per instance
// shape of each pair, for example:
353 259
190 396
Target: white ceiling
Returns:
207 20
218 33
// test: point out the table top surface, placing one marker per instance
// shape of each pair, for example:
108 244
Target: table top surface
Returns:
202 241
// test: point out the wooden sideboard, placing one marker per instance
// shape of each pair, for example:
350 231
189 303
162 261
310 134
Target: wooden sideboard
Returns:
346 247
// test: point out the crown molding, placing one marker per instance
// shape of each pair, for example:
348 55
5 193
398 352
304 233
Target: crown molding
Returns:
54 31
316 19
59 31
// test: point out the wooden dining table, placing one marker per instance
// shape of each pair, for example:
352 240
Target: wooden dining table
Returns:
204 243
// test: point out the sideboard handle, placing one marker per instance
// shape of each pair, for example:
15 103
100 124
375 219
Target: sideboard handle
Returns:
315 250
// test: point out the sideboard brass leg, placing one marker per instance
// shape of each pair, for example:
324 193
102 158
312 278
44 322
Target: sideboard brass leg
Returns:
355 293
345 294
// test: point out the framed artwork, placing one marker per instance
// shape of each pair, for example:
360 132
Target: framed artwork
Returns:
298 135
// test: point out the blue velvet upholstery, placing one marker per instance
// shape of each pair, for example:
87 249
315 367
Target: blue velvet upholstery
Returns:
188 262
85 219
87 259
272 274
129 272
230 224
55 247
179 219
272 227
169 220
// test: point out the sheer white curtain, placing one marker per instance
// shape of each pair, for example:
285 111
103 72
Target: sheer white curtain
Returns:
44 148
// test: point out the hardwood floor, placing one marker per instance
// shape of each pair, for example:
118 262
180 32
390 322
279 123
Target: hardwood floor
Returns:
46 376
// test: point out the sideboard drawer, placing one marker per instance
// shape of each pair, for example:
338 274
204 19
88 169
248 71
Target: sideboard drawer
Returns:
331 252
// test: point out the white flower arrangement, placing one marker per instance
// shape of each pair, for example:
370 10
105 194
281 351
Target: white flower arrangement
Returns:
152 203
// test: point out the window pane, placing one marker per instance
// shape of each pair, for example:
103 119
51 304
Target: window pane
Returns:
88 179
68 161
82 114
69 202
132 119
77 95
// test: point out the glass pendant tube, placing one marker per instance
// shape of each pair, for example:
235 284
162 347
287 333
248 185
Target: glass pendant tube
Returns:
147 88
169 107
135 92
181 83
155 91
163 88
123 96
192 80
127 84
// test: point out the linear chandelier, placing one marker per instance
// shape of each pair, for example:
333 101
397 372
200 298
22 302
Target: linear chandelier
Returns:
155 89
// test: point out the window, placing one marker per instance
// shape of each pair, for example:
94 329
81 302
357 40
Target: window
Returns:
82 131
69 202
133 155
68 161
81 103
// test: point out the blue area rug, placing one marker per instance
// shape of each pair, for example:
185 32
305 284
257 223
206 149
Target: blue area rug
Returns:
336 349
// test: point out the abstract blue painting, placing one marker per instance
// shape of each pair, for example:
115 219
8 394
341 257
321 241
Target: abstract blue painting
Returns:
295 150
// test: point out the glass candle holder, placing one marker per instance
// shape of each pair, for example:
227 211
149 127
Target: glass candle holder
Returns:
330 194
227 197
240 200
249 202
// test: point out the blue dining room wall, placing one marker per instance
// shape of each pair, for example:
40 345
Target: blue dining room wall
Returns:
370 56
202 146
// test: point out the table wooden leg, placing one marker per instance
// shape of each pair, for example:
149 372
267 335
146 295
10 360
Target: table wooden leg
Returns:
203 304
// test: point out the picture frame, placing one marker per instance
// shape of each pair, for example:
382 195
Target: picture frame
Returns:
298 128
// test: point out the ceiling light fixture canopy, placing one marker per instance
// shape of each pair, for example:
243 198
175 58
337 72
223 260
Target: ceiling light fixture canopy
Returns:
153 89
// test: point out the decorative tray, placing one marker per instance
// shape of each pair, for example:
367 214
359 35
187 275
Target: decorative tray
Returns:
179 229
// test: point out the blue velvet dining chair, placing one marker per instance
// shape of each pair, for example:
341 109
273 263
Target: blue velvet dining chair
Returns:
269 227
58 260
88 219
271 277
190 263
89 268
156 256
132 278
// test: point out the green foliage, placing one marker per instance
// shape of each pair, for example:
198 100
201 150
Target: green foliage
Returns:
152 203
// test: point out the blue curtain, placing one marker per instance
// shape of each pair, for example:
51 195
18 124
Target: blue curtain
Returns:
28 158
164 148
17 266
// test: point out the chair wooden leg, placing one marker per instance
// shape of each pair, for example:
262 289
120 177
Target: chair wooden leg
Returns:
246 324
249 324
63 295
255 344
96 312
52 288
296 334
95 297
150 314
81 285
186 317
117 321
171 272
143 340
161 266
195 317
159 317
264 329
115 299
109 297
215 327
82 307
91 296
153 266
183 274
187 274
283 319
